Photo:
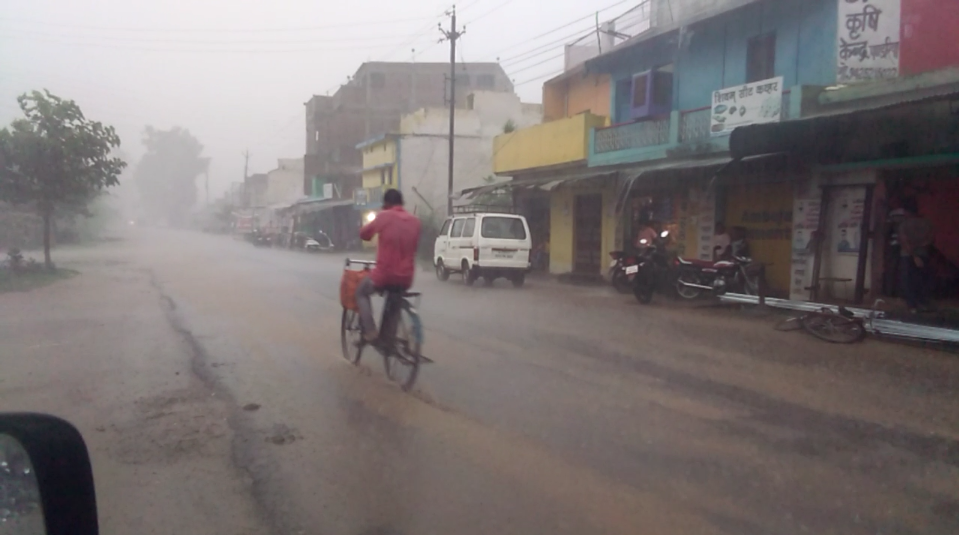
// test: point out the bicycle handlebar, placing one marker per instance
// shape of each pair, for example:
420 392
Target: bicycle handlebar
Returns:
361 262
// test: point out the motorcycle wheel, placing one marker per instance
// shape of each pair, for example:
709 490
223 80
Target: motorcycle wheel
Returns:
643 293
685 291
620 281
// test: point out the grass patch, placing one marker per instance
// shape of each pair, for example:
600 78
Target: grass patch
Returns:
31 280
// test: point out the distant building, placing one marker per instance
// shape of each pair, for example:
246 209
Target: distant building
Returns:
415 158
285 183
371 104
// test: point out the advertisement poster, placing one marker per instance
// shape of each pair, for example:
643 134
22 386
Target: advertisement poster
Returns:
806 213
704 204
758 102
868 44
845 236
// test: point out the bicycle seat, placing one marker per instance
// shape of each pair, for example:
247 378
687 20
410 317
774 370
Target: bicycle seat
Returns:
393 290
398 290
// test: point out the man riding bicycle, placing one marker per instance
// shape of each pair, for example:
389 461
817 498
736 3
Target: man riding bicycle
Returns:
399 236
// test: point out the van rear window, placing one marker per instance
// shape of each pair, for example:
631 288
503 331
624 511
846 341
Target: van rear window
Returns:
503 228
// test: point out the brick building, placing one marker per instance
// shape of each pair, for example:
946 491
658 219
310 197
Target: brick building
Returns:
371 103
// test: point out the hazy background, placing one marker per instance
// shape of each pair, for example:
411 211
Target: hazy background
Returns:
236 74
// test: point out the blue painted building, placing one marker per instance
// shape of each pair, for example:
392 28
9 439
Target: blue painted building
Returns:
725 44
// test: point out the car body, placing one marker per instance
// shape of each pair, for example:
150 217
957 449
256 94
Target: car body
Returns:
490 245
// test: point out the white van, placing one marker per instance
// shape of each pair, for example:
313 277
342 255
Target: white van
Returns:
485 244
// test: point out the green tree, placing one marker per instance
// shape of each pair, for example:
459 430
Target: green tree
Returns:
166 175
55 159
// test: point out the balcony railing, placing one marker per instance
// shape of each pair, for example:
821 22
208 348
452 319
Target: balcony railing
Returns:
637 135
694 124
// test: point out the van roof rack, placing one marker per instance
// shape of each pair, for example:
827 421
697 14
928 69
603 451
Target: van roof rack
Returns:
484 208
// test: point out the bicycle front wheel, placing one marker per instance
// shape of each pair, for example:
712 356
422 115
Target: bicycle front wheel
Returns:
351 336
403 363
834 328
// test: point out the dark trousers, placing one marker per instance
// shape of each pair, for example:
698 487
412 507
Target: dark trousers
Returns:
914 281
364 302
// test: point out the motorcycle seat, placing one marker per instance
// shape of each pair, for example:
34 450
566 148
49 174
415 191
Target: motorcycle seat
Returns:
696 262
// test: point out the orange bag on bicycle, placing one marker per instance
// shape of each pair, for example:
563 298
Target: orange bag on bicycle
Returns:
348 285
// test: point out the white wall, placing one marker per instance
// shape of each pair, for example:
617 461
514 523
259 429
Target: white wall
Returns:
424 174
285 183
424 147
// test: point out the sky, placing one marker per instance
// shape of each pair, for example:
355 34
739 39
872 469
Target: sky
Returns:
236 73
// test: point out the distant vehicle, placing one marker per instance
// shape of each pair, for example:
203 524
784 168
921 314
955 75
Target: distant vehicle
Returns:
490 243
320 243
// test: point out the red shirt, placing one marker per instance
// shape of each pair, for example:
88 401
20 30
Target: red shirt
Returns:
399 236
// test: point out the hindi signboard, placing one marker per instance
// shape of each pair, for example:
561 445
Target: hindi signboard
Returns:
868 44
758 102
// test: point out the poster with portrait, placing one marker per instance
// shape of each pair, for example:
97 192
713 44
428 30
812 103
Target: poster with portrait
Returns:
846 233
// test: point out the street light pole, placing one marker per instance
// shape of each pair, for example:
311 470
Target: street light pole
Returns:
452 36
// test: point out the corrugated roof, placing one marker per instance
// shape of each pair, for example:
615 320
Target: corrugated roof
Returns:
796 134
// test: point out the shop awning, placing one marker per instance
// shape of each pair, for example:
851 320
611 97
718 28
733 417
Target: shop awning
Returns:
664 166
544 183
802 135
318 205
669 164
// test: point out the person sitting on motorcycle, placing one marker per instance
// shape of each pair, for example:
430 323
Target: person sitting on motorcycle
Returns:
399 236
646 236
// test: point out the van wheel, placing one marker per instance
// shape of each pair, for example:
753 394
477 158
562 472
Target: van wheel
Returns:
469 275
518 280
442 273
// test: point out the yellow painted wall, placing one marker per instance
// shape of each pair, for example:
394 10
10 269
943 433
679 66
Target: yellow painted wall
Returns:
574 95
765 210
554 101
562 202
544 145
380 153
588 94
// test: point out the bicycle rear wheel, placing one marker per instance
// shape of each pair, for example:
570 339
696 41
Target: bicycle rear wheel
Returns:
793 323
351 336
403 362
834 328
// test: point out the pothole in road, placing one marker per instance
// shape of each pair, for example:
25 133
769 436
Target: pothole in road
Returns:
281 435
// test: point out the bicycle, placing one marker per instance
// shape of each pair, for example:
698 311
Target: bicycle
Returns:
841 327
400 337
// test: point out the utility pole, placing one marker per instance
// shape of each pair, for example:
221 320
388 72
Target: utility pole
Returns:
452 35
246 168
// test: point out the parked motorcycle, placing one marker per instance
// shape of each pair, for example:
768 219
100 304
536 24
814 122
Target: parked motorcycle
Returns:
321 243
739 275
622 282
651 270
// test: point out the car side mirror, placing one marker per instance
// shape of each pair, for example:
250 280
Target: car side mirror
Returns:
46 477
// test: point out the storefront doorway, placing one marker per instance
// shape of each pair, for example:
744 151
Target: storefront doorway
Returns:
588 233
844 273
933 193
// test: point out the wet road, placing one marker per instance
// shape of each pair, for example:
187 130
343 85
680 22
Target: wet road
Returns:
551 409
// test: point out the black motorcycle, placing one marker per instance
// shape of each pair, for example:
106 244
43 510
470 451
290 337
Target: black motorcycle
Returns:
622 282
739 275
651 270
